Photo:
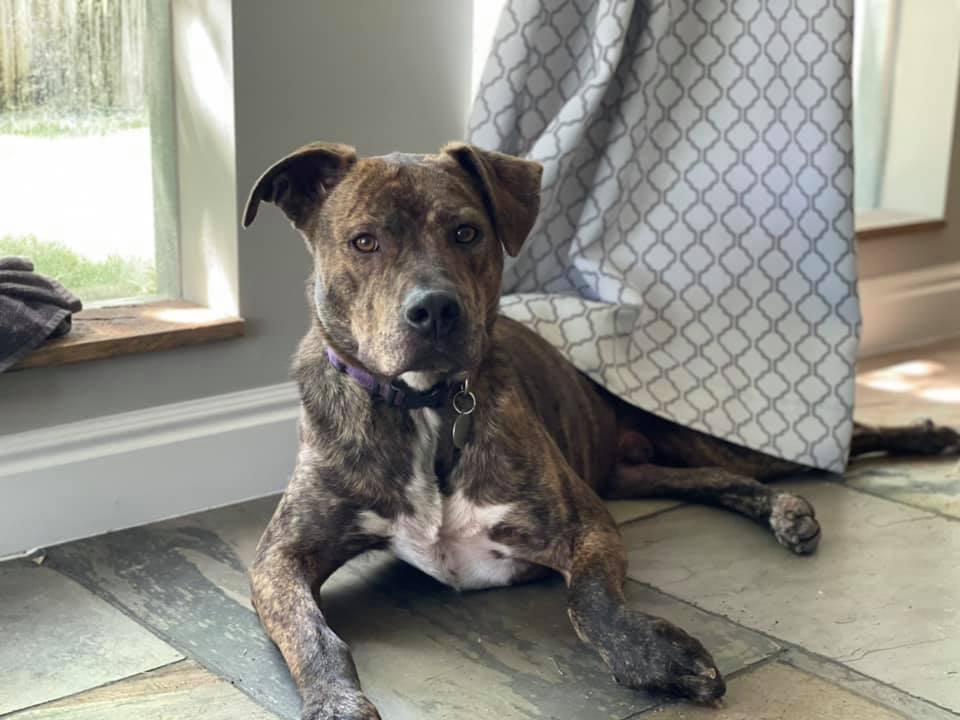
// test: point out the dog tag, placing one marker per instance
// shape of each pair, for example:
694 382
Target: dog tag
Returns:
461 431
464 403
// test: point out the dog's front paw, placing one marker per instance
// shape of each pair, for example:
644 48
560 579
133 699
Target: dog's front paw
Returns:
794 523
347 705
652 654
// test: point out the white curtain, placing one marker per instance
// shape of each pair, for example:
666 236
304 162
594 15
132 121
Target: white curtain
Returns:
694 252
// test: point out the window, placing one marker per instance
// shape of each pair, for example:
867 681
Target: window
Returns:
905 90
87 161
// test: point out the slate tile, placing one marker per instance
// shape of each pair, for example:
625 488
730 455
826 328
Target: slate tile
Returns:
183 691
780 691
238 526
423 650
882 594
56 638
153 575
927 483
906 705
921 379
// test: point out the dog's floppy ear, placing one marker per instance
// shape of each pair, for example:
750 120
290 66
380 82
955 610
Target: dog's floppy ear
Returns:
510 187
300 180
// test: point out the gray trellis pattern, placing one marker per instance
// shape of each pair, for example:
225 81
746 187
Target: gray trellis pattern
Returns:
694 251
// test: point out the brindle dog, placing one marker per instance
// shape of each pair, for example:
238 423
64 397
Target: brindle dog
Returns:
405 336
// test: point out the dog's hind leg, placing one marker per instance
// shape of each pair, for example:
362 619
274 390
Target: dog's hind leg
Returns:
790 517
922 438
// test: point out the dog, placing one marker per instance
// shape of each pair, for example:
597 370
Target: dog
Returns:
461 440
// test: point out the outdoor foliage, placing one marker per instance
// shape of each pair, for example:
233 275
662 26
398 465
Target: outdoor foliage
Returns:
90 280
53 125
72 68
72 57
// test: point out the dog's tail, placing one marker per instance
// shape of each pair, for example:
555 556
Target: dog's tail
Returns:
921 438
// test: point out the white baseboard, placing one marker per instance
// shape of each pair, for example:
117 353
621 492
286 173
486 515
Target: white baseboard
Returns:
85 478
909 309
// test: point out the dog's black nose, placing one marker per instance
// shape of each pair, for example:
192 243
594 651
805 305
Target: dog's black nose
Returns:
433 313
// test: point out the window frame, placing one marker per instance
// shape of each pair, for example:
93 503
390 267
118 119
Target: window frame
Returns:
193 146
158 70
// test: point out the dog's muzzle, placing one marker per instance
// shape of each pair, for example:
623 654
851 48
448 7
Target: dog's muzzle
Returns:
432 314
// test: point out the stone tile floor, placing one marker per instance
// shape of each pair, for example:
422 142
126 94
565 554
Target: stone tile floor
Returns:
155 622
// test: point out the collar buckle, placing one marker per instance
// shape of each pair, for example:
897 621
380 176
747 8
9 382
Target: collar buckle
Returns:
392 393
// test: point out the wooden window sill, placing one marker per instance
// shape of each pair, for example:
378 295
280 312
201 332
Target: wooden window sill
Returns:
108 332
888 223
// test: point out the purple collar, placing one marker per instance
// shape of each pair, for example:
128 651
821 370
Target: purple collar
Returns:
390 392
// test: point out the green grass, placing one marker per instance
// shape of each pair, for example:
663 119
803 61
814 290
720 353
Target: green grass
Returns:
91 280
51 124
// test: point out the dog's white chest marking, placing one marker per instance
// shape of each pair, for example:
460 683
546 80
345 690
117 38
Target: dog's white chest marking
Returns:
446 537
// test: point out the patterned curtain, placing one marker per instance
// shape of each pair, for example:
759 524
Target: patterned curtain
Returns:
694 252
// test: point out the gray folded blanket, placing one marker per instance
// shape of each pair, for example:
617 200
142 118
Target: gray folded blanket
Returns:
33 308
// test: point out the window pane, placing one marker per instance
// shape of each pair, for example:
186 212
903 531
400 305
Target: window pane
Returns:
873 76
905 86
76 170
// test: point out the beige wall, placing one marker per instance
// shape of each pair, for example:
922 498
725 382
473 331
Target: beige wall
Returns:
367 72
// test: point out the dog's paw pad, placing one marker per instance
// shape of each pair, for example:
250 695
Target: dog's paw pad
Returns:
794 523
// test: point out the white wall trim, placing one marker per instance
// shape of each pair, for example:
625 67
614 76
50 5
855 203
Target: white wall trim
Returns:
85 478
205 117
909 309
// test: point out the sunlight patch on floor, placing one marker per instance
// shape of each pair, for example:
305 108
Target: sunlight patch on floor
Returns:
923 379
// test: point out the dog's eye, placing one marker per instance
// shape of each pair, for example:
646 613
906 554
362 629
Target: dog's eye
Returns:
466 234
365 243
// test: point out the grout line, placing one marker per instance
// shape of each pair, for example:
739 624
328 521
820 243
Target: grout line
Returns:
872 493
656 513
771 658
797 650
